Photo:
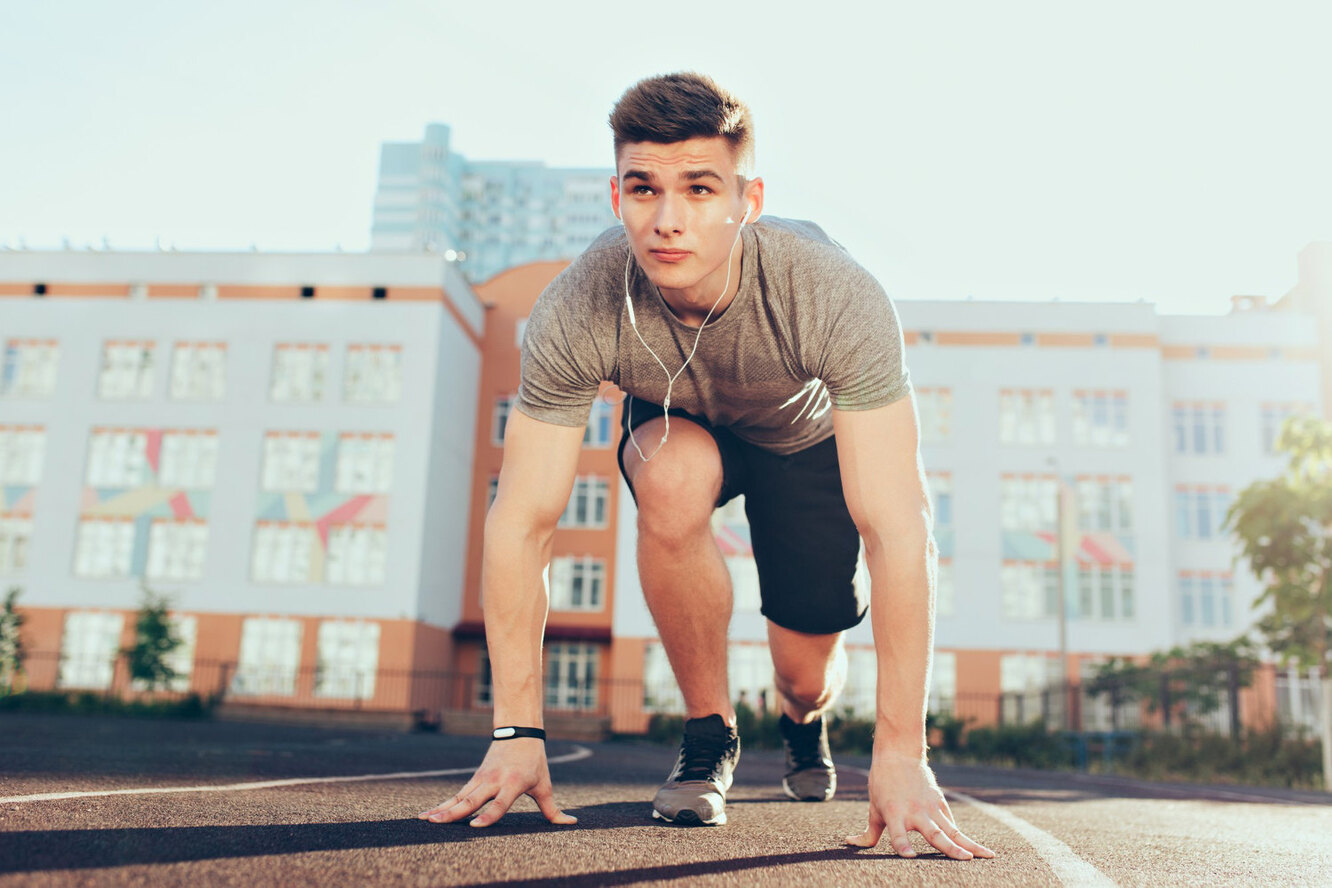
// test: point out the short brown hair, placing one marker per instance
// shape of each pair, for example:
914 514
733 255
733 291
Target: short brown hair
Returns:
675 107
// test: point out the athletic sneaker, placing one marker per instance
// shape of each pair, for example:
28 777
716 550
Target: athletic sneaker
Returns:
695 792
810 776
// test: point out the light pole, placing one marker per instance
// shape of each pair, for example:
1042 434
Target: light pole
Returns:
1062 553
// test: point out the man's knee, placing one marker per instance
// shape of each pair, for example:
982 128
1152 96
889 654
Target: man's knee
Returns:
809 689
677 489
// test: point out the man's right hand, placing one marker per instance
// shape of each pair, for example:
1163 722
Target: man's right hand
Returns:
510 769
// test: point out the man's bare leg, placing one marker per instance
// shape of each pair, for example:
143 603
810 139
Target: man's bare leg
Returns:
684 577
688 590
810 671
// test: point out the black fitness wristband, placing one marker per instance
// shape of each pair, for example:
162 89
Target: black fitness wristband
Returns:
514 732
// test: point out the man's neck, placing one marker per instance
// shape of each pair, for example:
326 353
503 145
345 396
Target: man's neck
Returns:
695 304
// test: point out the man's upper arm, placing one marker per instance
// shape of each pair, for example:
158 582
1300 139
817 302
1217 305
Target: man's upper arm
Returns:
537 475
883 477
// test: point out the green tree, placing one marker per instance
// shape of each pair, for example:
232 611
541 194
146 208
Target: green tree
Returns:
155 639
1284 526
11 644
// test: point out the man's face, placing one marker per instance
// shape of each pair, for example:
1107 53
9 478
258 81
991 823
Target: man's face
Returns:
681 205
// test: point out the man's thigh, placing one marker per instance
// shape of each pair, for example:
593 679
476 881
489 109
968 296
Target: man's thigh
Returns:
806 545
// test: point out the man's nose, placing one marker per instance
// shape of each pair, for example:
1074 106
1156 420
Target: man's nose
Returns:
670 216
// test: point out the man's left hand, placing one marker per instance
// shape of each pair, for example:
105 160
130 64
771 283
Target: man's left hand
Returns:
905 797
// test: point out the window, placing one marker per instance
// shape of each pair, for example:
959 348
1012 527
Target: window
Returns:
15 529
283 552
365 463
89 647
270 656
943 683
1274 415
1105 504
1199 427
577 584
571 675
176 549
117 458
299 372
862 673
745 597
1029 590
188 459
941 496
348 659
291 462
1200 512
661 693
374 374
500 418
484 681
598 433
587 504
492 490
1105 592
198 371
127 371
1026 416
749 669
1028 502
357 554
944 604
1027 672
22 452
1206 599
30 368
1100 418
181 660
935 406
104 548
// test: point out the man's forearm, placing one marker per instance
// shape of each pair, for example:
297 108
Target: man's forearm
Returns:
515 603
902 578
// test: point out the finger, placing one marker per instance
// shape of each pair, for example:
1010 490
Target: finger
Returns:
898 838
544 796
939 838
497 808
467 804
967 842
452 800
870 837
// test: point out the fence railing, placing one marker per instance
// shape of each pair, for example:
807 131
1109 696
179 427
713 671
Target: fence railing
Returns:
1290 701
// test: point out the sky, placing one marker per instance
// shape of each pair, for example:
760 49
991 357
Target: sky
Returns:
1170 152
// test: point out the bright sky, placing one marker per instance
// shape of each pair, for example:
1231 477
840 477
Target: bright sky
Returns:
1168 151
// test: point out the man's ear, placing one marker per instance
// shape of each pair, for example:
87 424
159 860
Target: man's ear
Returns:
754 199
615 197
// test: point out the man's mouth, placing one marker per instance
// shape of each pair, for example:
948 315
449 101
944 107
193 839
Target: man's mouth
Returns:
669 255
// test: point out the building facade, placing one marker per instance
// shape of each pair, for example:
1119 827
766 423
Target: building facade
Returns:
302 451
493 214
280 443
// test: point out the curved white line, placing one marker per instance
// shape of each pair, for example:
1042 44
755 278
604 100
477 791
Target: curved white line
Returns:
1071 869
580 752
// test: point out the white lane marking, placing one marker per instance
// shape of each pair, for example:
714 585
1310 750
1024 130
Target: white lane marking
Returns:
1194 793
1071 869
580 752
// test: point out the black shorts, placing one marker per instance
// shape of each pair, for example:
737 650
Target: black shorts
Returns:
805 544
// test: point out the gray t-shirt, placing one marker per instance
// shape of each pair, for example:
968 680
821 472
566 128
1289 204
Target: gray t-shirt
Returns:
809 330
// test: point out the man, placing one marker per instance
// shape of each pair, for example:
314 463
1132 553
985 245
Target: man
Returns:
759 359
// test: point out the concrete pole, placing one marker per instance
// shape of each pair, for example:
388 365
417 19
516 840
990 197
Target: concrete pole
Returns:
1325 719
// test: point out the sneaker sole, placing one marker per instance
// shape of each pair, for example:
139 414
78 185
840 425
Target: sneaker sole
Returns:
799 798
690 818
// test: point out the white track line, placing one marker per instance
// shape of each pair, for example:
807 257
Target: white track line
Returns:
580 752
1071 869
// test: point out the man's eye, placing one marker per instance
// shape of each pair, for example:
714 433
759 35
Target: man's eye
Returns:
641 189
701 189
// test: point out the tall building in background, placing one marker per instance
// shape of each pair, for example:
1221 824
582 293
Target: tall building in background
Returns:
493 214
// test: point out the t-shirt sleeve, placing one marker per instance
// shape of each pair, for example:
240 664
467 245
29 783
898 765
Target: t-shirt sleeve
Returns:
864 364
562 360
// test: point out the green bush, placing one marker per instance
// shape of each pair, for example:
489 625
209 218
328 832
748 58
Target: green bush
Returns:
93 703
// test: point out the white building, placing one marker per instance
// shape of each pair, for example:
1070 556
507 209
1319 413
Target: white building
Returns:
283 443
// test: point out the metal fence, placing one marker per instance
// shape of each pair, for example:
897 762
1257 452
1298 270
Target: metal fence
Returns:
626 706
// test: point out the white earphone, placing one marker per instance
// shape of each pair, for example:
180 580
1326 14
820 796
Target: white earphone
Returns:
670 379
